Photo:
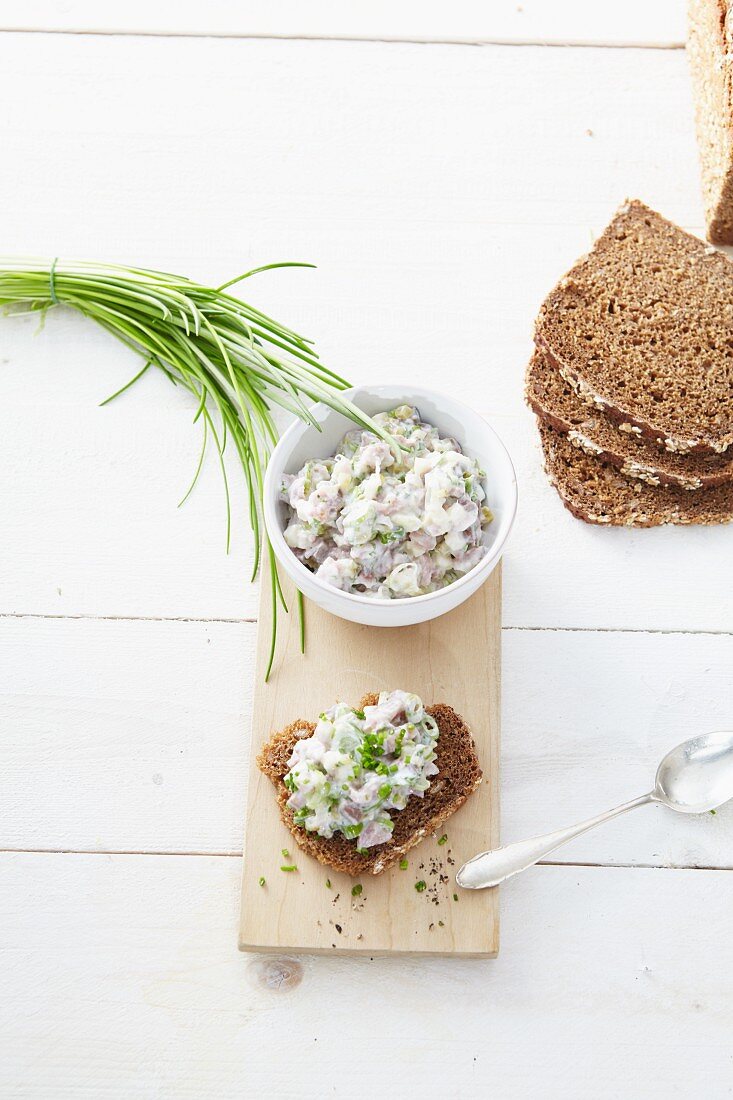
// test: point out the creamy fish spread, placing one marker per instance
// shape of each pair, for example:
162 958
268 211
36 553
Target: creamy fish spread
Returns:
359 765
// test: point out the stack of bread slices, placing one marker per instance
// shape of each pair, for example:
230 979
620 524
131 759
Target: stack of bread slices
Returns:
632 378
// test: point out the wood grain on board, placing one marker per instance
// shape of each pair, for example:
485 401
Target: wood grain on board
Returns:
455 659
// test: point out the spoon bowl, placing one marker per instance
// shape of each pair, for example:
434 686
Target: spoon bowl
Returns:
697 776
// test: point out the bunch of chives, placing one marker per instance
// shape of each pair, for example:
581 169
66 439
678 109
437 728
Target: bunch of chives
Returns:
235 360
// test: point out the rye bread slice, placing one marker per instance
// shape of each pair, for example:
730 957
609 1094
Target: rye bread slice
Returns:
642 328
597 492
556 403
459 774
709 51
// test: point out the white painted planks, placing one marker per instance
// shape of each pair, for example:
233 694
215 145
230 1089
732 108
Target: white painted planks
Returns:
431 271
120 977
133 735
649 23
442 191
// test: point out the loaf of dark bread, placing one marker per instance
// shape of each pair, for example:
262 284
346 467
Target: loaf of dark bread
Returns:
459 774
556 403
597 492
642 328
710 54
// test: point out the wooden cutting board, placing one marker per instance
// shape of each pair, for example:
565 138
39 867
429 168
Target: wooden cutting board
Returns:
455 659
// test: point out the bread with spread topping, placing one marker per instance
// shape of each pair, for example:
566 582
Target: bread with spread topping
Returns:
710 55
642 329
459 774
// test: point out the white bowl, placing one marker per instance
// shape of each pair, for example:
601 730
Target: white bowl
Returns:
302 442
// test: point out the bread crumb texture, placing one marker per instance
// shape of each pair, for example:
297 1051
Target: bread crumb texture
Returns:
642 328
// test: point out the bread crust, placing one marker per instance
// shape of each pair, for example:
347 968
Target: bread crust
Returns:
598 493
556 403
459 774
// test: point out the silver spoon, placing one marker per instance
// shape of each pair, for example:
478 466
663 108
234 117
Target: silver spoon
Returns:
695 777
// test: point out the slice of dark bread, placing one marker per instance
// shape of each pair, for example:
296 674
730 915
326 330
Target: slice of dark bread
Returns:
597 492
642 328
459 774
709 51
556 403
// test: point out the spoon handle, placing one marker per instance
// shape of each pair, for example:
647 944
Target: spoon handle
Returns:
491 868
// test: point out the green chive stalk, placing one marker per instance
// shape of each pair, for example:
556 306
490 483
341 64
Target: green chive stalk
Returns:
235 360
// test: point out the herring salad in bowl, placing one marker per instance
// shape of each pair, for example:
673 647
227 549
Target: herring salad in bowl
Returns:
373 524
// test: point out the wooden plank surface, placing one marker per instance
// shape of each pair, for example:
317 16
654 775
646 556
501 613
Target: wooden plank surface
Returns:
131 986
625 23
454 660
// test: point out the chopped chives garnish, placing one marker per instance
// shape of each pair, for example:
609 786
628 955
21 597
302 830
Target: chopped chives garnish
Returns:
262 880
455 897
443 839
285 853
328 884
421 885
356 890
288 867
404 864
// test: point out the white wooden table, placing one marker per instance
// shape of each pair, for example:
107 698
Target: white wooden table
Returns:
441 186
